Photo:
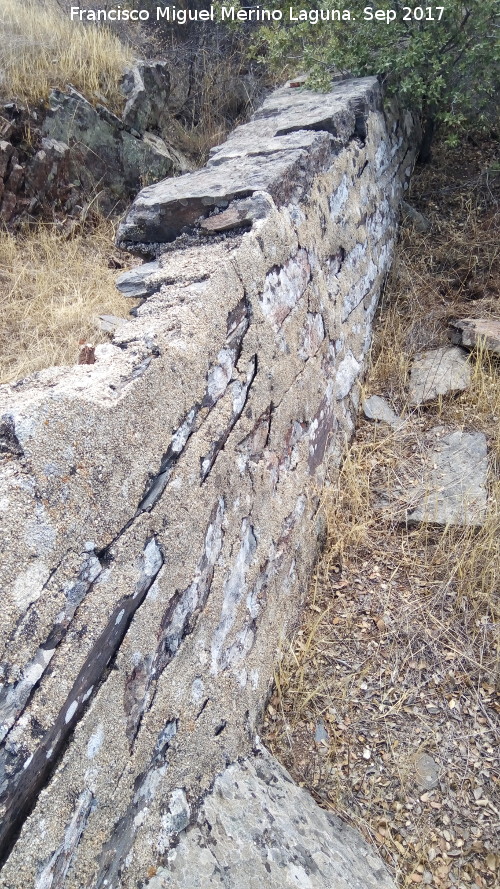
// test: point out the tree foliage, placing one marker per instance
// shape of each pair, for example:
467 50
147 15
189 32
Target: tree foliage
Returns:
446 65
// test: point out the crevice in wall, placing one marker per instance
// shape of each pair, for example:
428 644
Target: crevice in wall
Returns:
220 728
15 697
23 789
178 621
239 394
118 846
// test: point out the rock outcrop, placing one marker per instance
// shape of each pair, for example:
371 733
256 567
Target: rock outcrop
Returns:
103 152
159 508
257 828
81 150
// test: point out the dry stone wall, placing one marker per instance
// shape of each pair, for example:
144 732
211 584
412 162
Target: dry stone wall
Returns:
159 507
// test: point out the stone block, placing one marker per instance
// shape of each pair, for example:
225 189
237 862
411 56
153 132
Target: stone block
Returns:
257 828
438 372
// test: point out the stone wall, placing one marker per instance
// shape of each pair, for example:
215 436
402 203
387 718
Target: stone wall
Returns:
159 507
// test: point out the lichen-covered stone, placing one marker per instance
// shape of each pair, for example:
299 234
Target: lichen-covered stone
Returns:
102 151
257 828
438 372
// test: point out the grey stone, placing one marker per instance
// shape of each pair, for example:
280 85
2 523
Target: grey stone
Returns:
257 828
6 152
473 332
420 222
320 733
102 152
426 772
438 372
147 159
377 408
453 489
6 128
135 282
109 323
147 87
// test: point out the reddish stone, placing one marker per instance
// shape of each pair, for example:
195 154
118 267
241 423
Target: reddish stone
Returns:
86 354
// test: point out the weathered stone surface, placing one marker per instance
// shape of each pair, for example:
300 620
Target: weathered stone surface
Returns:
418 220
135 282
6 128
6 152
257 828
15 178
147 87
239 215
49 172
102 151
156 508
109 323
453 487
377 408
438 372
473 332
9 202
272 153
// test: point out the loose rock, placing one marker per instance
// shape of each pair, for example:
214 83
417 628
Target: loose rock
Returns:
472 332
377 408
453 487
438 372
418 220
426 772
134 282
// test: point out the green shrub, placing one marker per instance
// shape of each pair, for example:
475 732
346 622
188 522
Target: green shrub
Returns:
442 60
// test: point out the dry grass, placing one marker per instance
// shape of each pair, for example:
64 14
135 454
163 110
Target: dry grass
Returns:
215 112
52 288
399 651
41 48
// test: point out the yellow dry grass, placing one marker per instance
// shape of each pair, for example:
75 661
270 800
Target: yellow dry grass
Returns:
399 652
52 288
41 48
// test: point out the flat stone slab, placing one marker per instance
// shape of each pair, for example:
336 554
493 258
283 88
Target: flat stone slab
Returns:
135 282
377 408
438 372
453 490
289 139
472 332
258 829
426 772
